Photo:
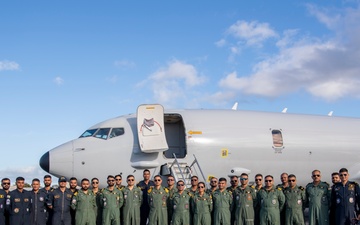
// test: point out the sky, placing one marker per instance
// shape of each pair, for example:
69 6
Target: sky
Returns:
67 65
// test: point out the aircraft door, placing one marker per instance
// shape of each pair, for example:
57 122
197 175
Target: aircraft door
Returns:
150 127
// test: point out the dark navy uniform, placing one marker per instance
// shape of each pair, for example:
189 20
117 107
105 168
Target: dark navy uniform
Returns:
61 202
39 208
49 211
145 208
345 199
2 206
18 205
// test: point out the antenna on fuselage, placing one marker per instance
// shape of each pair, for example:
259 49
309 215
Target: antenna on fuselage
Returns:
330 113
235 106
284 110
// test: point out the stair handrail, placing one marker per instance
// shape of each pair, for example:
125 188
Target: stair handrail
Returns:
177 163
198 164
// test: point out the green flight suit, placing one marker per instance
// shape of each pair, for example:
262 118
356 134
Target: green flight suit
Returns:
244 205
318 199
222 207
158 206
202 207
131 208
295 201
85 206
271 202
181 208
111 202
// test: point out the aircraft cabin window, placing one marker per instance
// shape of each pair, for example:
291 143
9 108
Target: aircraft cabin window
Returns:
88 133
102 133
277 138
116 132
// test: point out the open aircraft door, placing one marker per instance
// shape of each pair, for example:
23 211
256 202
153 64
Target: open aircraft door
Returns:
151 130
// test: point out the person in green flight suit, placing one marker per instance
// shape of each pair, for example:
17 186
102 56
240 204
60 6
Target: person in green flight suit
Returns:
295 201
111 200
132 202
223 200
271 201
318 196
157 198
84 204
201 205
244 202
172 191
181 205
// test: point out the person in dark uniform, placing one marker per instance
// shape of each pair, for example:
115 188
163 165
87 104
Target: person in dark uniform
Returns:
18 204
284 184
47 189
345 199
5 184
2 206
95 189
39 207
145 186
73 189
60 201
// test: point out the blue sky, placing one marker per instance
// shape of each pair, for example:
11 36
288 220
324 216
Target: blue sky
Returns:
66 65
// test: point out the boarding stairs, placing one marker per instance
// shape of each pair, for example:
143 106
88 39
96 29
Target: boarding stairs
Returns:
183 171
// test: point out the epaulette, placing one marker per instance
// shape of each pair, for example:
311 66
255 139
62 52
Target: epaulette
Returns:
190 194
301 188
166 190
252 186
76 193
120 188
279 188
102 190
150 190
230 191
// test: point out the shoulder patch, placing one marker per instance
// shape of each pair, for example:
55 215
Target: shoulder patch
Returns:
76 193
166 190
150 190
301 188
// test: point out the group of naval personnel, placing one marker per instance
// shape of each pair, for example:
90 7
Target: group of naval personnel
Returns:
148 202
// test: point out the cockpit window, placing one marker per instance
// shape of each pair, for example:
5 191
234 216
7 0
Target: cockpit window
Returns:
88 133
102 133
116 132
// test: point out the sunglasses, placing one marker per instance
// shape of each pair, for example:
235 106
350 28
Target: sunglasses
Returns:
111 180
157 180
234 181
316 175
343 174
180 185
201 187
6 183
268 180
243 178
193 180
95 182
130 180
258 179
291 180
117 179
170 180
213 181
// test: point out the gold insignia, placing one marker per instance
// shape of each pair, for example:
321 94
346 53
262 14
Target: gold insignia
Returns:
279 188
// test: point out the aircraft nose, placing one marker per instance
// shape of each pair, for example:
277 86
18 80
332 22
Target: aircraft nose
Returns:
44 162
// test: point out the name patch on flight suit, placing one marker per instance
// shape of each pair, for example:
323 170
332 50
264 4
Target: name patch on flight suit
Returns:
249 197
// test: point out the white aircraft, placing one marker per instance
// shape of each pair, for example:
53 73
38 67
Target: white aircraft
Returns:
207 143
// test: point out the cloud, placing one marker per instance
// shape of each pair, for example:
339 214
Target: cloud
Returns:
124 64
28 172
174 82
112 79
327 68
9 65
253 33
59 81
